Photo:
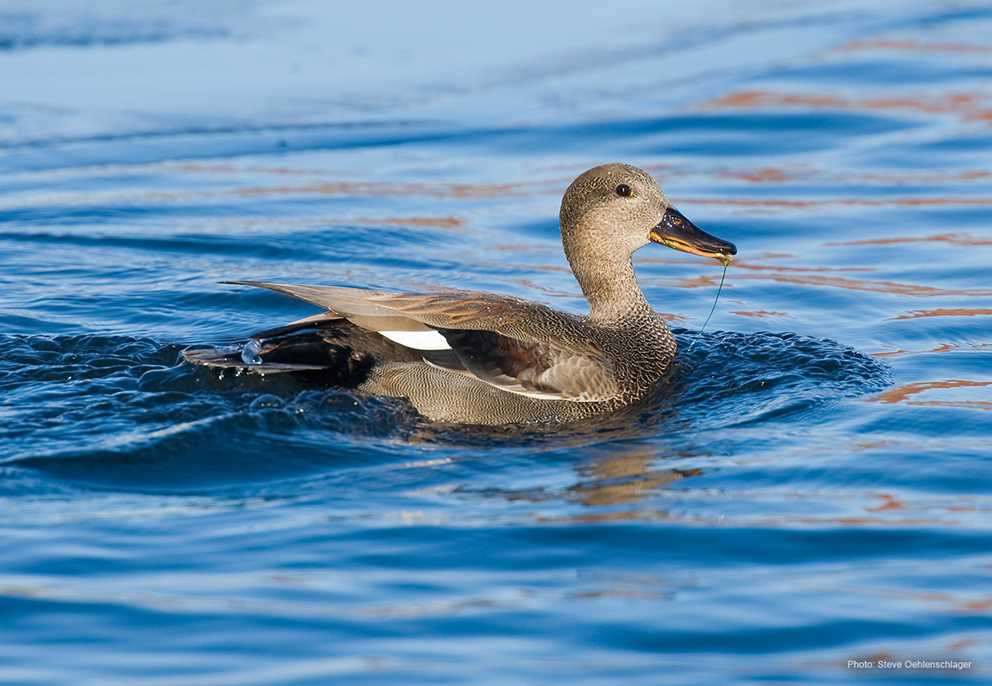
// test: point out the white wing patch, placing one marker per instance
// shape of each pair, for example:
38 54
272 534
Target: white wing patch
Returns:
418 340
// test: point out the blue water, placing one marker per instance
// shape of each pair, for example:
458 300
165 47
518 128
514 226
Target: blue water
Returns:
813 487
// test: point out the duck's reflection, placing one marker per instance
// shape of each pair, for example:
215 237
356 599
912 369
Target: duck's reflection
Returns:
625 477
615 484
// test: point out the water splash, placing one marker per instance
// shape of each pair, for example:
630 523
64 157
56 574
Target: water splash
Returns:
251 354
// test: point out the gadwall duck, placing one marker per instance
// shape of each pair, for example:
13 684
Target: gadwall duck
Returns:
480 358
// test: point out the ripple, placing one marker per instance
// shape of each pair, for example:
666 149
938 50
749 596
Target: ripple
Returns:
783 503
142 411
135 400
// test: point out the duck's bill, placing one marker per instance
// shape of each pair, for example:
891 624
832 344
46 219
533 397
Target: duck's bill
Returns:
675 231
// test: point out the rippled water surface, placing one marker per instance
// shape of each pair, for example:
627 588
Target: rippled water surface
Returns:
814 486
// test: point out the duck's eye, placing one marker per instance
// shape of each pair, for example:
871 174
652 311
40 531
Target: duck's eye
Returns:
623 190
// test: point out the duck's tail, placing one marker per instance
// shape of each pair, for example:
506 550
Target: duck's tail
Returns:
326 347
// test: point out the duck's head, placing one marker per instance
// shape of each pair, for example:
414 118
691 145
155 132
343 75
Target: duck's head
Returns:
618 207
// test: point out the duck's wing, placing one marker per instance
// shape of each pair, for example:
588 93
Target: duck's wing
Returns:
515 345
538 370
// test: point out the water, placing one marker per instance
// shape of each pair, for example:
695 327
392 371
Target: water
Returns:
814 487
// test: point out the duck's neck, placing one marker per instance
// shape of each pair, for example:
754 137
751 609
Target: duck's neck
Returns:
610 287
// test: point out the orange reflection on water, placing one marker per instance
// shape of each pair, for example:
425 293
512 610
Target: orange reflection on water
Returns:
700 281
759 314
904 201
448 222
778 175
452 190
953 238
741 264
948 312
961 644
965 105
983 405
748 202
350 187
916 177
762 175
891 287
889 502
950 602
912 45
942 348
902 394
871 521
890 353
224 168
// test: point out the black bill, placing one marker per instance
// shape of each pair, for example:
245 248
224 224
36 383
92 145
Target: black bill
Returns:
675 231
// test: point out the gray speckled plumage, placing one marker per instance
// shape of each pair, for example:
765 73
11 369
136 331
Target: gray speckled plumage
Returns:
479 358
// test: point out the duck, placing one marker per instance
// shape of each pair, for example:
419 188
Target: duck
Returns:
467 357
